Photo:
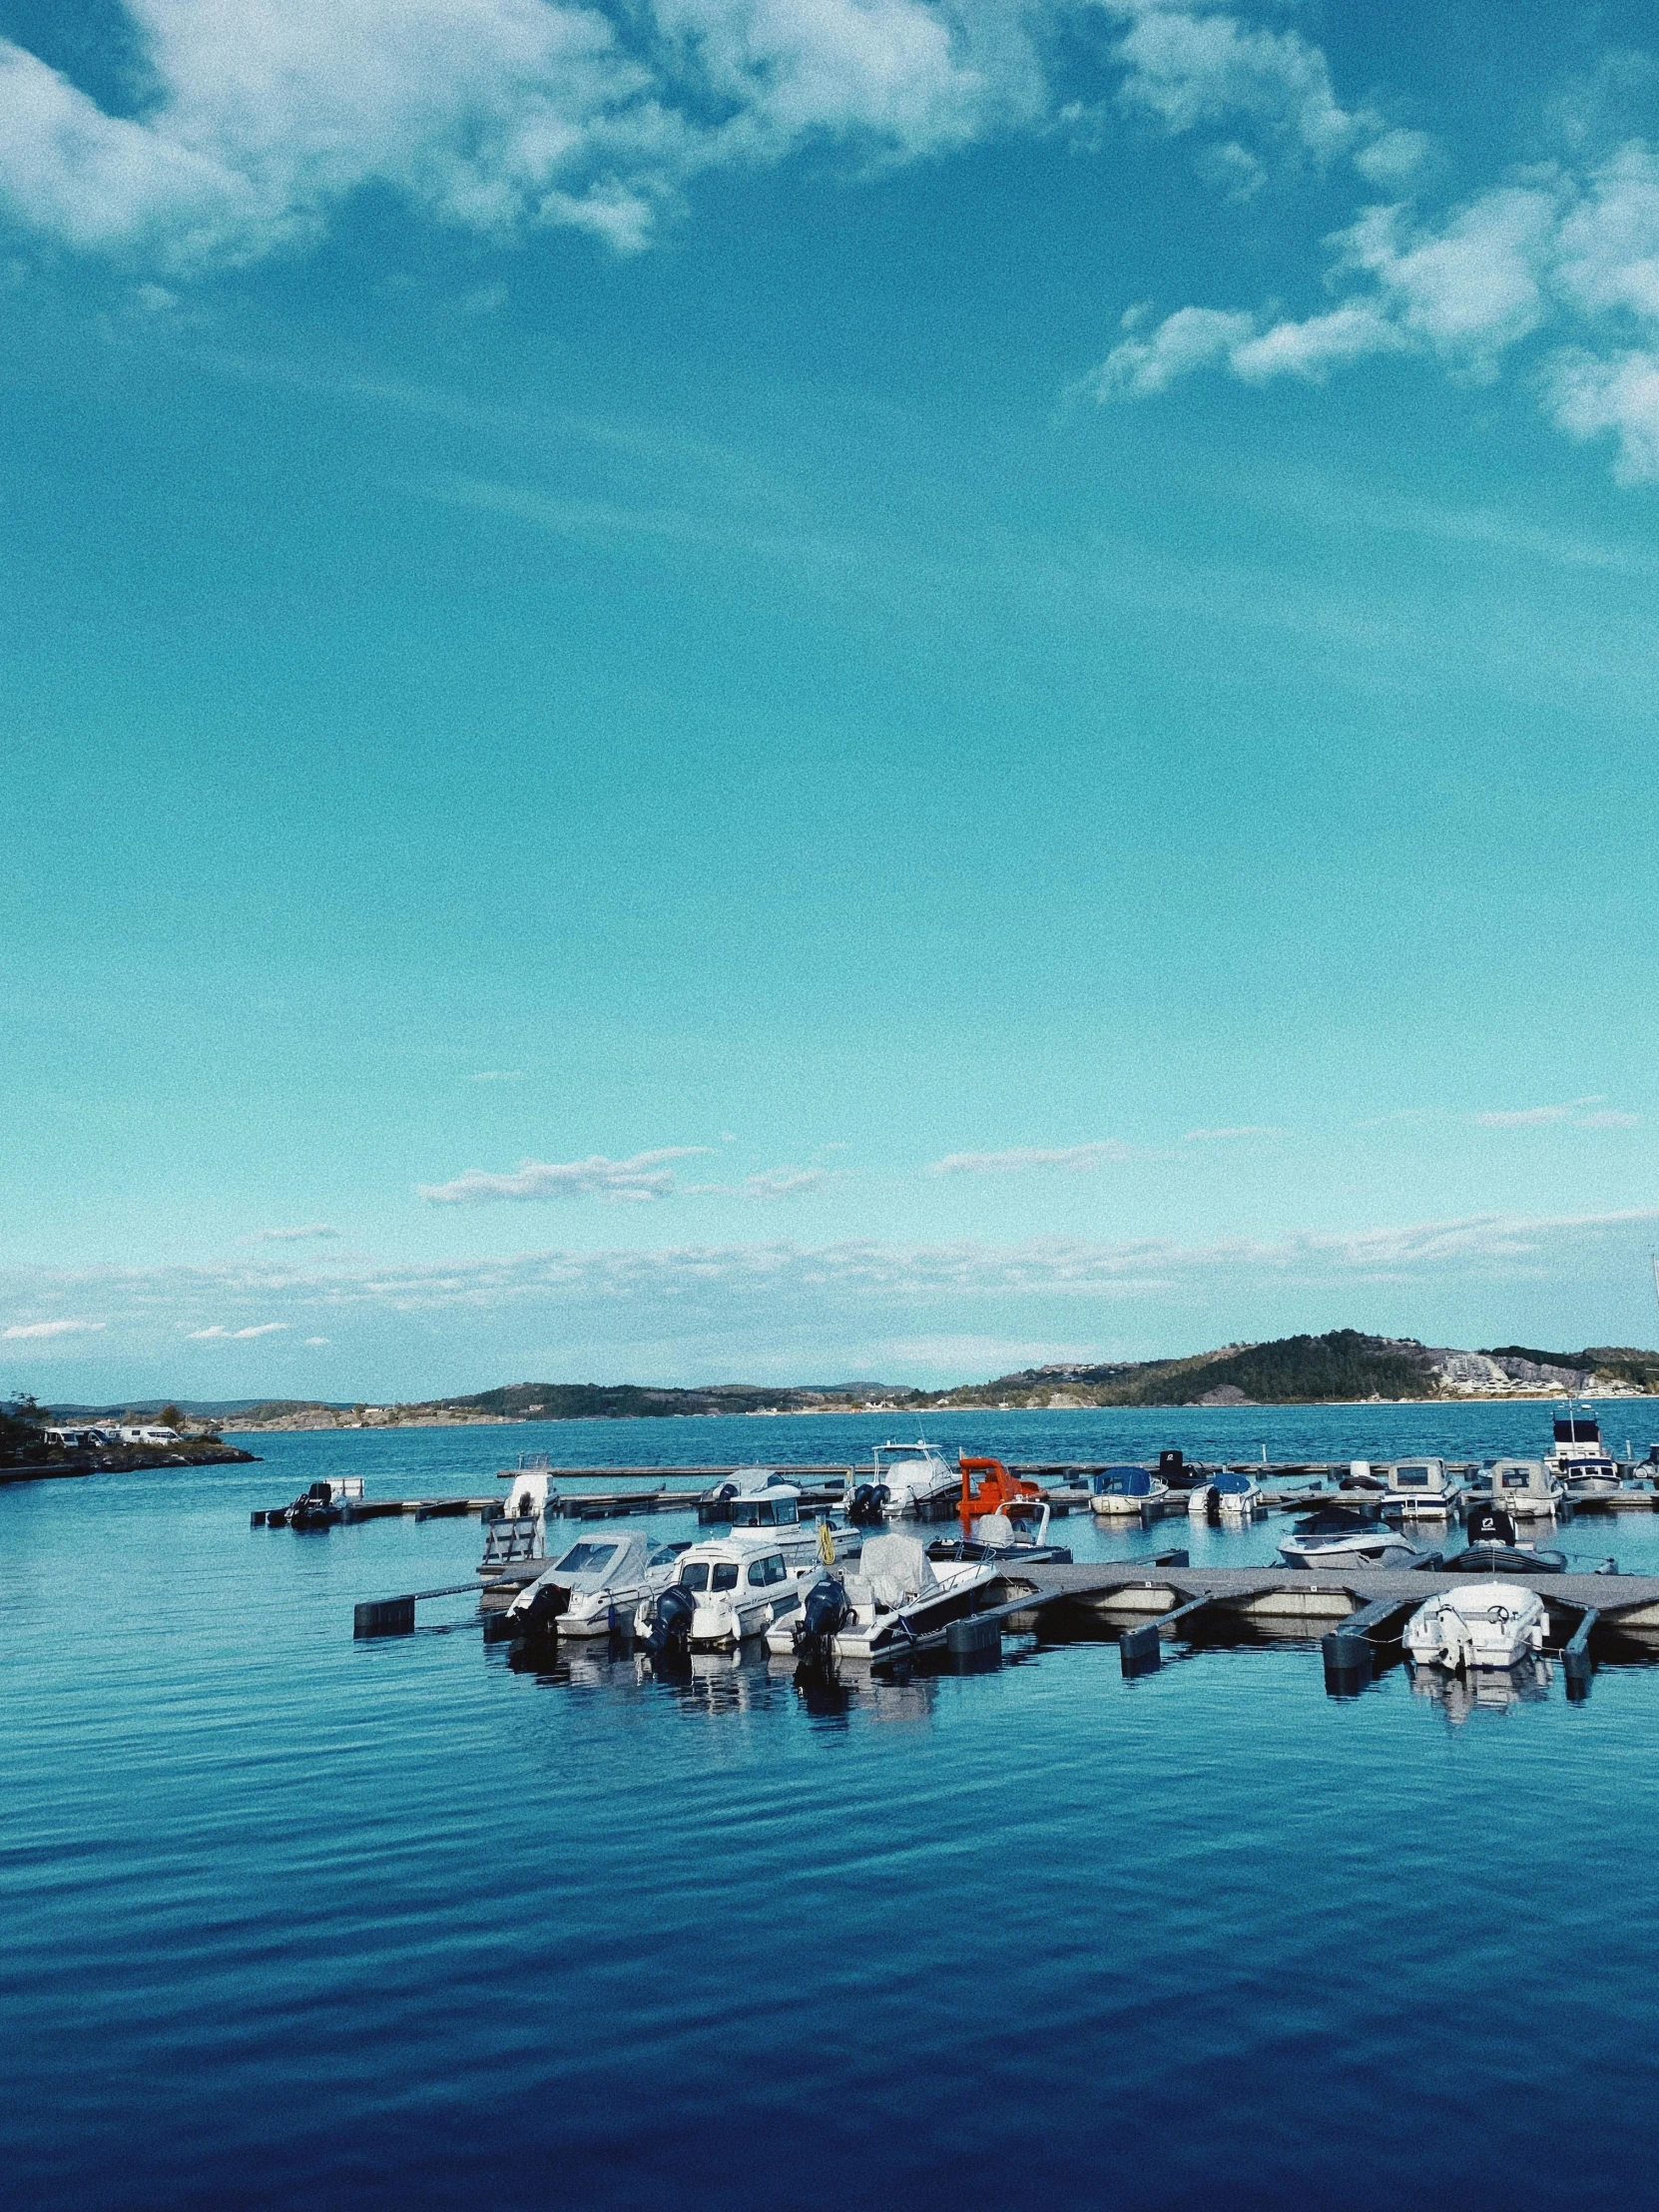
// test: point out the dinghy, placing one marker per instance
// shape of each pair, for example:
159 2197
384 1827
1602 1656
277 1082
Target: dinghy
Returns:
1340 1536
1478 1624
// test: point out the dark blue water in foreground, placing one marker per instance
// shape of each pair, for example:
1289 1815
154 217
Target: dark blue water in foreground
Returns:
289 1921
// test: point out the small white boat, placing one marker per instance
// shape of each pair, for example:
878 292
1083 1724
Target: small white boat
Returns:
720 1592
916 1478
1124 1493
1529 1489
1232 1497
775 1510
1478 1624
516 1533
1421 1489
596 1587
1340 1536
899 1596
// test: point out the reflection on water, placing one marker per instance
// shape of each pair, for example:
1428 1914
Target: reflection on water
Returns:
1481 1689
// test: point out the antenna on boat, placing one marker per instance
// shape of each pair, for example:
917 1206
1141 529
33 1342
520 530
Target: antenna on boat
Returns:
1654 1256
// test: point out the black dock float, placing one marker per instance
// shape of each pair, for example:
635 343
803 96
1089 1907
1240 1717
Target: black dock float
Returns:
1139 1649
395 1617
1349 1653
1576 1663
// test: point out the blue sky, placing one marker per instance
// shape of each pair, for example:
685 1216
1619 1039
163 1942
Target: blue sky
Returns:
787 687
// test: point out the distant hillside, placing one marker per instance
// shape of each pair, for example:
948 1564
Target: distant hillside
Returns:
1343 1364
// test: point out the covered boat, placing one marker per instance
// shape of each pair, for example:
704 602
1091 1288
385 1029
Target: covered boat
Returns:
917 1477
1342 1536
898 1597
1124 1493
1421 1489
1530 1489
1233 1495
594 1587
1478 1624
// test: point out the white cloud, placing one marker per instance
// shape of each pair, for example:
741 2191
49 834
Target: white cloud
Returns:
1469 288
1191 338
314 1341
1312 349
1189 68
1617 396
1080 1157
1395 160
38 1332
647 1175
309 1234
766 1182
1568 255
1573 1111
218 1334
490 114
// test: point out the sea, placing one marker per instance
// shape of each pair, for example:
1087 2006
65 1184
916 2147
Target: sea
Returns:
293 1921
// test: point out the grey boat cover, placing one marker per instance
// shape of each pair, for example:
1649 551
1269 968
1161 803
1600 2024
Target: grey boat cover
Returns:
897 1570
601 1562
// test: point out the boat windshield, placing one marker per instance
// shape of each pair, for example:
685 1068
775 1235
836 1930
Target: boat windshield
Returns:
694 1576
1516 1478
725 1576
588 1558
764 1513
1412 1478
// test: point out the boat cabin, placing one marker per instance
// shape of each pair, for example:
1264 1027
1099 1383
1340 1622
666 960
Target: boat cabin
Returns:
1578 1435
1420 1486
773 1507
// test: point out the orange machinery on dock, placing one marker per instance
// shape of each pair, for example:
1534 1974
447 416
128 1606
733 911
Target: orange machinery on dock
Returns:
998 1492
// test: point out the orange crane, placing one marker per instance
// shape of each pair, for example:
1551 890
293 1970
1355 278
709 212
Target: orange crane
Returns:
999 1490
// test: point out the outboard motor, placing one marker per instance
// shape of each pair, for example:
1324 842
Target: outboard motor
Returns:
868 1505
1171 1468
539 1616
824 1611
1490 1524
670 1636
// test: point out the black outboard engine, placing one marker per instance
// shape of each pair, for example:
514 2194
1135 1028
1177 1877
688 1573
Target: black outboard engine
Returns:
1172 1469
824 1611
1490 1524
868 1505
670 1636
540 1617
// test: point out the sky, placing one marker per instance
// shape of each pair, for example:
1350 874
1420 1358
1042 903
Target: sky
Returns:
787 689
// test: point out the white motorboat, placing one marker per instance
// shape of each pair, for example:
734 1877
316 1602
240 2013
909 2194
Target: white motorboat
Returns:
1421 1489
1125 1493
1578 1438
910 1478
1529 1489
897 1596
1340 1536
743 1483
775 1510
516 1533
1478 1624
1232 1497
722 1591
596 1587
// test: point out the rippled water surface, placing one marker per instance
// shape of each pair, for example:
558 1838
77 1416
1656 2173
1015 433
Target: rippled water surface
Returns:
292 1920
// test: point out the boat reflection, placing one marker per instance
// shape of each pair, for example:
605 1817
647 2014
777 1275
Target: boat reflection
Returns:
1482 1689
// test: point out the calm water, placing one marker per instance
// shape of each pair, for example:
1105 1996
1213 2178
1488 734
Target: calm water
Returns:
290 1921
